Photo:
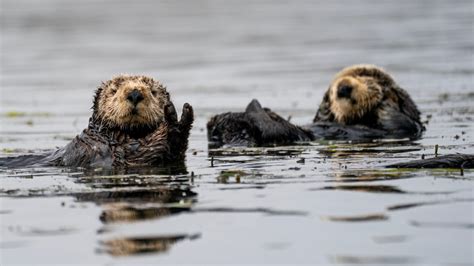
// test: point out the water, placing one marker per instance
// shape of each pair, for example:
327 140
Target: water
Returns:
254 206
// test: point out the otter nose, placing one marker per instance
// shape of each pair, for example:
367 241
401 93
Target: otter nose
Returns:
344 91
134 97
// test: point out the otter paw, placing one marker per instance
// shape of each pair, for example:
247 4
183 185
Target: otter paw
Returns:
187 117
170 114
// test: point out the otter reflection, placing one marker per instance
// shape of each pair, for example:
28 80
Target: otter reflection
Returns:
134 246
132 204
137 193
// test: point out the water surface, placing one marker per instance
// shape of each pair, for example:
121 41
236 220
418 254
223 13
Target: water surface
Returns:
254 206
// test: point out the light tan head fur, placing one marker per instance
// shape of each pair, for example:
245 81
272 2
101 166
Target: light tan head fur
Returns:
114 109
356 90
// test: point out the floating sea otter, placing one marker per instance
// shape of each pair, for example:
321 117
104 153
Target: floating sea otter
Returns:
134 123
362 103
368 98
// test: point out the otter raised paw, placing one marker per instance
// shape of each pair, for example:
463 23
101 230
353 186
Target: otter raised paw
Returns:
256 126
134 123
368 97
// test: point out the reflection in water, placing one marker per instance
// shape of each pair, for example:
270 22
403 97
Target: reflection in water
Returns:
373 260
128 205
131 197
133 213
370 175
380 189
419 204
251 210
134 196
443 224
365 188
357 218
138 245
142 195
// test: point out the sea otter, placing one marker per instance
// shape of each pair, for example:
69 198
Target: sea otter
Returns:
256 126
133 123
368 98
362 103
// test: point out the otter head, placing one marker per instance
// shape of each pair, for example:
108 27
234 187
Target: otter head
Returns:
356 91
130 103
234 129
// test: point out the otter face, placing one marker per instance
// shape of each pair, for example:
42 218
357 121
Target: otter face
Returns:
351 97
130 102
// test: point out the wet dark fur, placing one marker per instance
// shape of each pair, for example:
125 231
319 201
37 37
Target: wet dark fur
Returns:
256 126
394 116
444 161
102 145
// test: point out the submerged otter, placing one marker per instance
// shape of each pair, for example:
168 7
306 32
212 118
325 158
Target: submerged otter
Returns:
367 97
134 123
362 103
256 126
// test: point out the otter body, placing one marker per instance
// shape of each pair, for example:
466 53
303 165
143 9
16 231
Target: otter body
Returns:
368 98
134 123
256 126
445 161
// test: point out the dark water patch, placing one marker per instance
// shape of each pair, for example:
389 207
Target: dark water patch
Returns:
342 153
281 151
442 225
267 211
33 172
169 170
364 188
242 187
142 245
130 181
8 192
372 260
357 218
135 213
373 148
420 204
380 189
451 161
5 212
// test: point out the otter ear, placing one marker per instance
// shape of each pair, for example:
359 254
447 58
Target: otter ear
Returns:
254 107
324 111
98 92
